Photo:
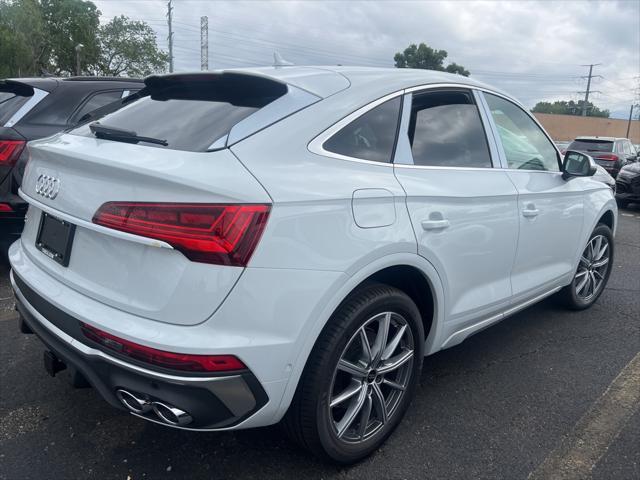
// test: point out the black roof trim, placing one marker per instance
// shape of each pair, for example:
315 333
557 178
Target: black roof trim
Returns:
101 79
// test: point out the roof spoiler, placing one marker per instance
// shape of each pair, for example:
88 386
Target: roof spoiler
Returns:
232 87
18 88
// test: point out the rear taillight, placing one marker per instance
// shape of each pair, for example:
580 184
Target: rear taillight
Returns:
608 156
160 358
5 208
208 233
10 151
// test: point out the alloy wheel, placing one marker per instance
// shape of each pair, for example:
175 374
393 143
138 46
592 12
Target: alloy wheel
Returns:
592 269
371 377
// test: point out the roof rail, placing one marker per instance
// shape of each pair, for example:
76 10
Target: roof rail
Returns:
100 79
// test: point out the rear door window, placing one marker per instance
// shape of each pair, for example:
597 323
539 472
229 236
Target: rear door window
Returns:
445 130
371 136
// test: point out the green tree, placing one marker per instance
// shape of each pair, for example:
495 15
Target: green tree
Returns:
23 49
68 23
564 107
423 56
129 47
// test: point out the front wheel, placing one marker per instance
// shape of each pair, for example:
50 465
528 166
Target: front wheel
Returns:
360 376
593 271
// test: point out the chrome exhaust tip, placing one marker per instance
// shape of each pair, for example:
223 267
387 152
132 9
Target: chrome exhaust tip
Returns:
133 403
171 415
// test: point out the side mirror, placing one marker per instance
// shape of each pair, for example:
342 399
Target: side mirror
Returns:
577 164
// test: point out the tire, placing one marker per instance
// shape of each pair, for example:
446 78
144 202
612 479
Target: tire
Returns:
326 431
578 295
622 203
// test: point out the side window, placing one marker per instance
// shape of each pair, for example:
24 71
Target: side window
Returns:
524 143
446 131
96 101
627 147
371 136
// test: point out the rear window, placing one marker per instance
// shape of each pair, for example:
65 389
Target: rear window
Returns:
191 113
10 103
591 146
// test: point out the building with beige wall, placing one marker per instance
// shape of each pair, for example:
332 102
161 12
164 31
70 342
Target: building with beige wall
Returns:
568 127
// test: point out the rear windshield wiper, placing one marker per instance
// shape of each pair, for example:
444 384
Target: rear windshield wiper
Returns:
119 134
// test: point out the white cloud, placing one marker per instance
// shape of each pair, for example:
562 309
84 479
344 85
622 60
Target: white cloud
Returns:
532 49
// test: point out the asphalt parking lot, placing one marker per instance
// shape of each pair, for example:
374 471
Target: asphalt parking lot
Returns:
536 393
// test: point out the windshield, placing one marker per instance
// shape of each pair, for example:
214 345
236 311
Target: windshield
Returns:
591 146
10 103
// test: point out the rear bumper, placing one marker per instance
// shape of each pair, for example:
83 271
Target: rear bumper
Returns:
213 402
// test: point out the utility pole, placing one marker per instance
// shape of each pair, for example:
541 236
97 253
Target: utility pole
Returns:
170 38
78 48
586 93
204 43
629 122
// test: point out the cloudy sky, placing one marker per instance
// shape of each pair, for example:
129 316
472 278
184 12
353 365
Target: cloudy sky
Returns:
533 49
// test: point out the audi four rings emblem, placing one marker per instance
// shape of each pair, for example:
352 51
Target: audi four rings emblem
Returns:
47 186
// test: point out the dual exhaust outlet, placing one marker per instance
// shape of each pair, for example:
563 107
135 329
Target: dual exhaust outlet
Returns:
166 413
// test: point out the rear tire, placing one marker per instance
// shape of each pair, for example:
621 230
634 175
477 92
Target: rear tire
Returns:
592 273
353 370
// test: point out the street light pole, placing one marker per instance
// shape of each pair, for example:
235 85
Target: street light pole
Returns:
78 48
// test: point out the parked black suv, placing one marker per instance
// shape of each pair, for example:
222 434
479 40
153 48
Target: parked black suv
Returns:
32 108
609 152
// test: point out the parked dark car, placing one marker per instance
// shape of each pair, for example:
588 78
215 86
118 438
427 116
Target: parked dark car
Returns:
609 152
33 108
628 185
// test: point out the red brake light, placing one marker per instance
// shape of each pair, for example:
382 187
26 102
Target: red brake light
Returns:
208 233
5 207
160 358
10 151
607 156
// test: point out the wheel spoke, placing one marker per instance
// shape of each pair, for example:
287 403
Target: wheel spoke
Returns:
366 348
396 362
583 283
594 283
584 261
365 415
380 403
601 263
602 251
596 244
352 390
393 344
583 272
351 368
381 337
351 413
393 384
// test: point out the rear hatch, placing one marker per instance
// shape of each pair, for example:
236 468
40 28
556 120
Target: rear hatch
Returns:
600 149
164 225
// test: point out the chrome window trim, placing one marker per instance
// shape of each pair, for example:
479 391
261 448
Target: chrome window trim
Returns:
316 144
89 351
36 98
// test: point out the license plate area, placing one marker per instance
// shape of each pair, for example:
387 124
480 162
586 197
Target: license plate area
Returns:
55 238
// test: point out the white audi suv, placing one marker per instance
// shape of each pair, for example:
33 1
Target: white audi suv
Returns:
239 248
